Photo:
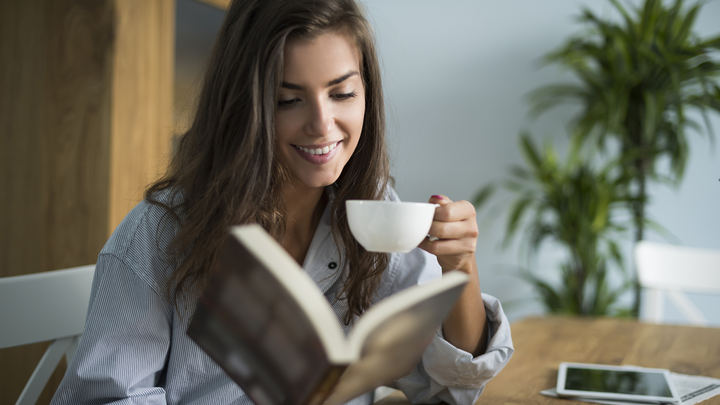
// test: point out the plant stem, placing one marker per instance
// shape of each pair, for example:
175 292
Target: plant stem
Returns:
637 145
639 219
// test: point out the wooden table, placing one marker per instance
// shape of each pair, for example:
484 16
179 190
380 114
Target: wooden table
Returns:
542 343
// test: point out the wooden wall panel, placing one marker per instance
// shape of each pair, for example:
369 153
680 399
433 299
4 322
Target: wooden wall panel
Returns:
142 102
85 113
76 132
22 57
22 196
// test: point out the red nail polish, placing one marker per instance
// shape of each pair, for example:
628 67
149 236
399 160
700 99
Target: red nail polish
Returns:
438 197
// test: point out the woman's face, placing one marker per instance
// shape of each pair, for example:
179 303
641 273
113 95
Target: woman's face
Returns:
320 111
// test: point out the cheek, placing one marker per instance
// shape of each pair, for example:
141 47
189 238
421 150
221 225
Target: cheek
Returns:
361 118
356 118
284 126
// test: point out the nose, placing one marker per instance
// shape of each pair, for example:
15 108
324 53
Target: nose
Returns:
320 120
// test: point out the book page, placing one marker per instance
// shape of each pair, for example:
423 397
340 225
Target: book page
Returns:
291 278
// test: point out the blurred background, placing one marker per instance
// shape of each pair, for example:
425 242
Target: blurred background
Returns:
457 79
93 93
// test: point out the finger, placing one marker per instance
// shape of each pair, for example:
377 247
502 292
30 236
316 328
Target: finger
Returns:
454 230
449 246
439 199
455 211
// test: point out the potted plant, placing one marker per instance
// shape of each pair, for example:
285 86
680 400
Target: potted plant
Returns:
638 78
577 205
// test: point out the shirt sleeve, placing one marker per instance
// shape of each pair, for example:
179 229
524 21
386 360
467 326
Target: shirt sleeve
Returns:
122 352
446 373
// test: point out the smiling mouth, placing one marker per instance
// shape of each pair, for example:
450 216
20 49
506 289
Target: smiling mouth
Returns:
319 151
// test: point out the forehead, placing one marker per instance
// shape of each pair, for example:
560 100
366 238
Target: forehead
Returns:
326 56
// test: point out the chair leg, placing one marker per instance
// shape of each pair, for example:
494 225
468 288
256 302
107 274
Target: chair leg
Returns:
43 371
653 305
72 348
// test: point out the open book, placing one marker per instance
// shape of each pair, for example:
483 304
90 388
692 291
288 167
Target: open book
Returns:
266 323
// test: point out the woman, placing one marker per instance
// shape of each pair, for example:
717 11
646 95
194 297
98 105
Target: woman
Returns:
290 125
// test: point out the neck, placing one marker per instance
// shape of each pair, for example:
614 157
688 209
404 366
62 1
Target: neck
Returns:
304 208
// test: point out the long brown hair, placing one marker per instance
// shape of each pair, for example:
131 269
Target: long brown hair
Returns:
224 171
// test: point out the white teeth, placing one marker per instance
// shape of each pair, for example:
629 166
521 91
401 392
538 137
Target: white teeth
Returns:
318 151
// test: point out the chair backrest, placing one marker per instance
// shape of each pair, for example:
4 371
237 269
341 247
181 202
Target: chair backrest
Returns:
41 307
673 271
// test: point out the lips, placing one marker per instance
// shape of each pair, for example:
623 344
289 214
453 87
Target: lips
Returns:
317 154
318 150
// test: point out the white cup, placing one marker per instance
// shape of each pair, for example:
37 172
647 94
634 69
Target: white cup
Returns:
389 226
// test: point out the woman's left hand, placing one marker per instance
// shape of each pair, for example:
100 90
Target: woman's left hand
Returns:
456 230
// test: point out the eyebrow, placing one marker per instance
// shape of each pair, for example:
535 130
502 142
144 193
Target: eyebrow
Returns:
293 86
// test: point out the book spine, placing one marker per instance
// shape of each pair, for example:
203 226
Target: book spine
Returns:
326 385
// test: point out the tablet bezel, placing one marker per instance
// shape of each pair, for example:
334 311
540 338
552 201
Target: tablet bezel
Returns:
562 373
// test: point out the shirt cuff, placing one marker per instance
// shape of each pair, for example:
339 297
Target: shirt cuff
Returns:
456 368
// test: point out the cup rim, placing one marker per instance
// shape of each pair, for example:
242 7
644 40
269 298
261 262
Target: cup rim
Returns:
384 202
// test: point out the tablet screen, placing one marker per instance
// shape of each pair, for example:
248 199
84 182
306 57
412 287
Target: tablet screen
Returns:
631 382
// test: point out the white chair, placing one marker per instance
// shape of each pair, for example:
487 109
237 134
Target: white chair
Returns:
41 307
675 270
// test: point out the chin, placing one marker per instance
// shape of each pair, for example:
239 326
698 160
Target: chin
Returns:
319 182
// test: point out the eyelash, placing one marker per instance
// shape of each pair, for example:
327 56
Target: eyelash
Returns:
345 96
339 97
287 103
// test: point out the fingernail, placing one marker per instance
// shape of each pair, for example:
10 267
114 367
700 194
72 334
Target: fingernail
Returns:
437 196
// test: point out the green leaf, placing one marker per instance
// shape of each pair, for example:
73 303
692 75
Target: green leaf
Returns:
649 15
483 195
628 20
688 21
517 211
520 172
529 152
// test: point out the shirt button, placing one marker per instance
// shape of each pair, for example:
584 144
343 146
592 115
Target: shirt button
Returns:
332 265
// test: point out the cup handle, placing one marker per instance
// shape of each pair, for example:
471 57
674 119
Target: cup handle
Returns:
430 237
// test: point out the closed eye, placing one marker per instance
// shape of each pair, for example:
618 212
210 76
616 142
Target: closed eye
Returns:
344 96
288 103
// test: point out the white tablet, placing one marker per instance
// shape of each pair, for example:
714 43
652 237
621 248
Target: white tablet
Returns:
616 382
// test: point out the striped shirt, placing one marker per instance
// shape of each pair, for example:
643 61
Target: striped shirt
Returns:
134 349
